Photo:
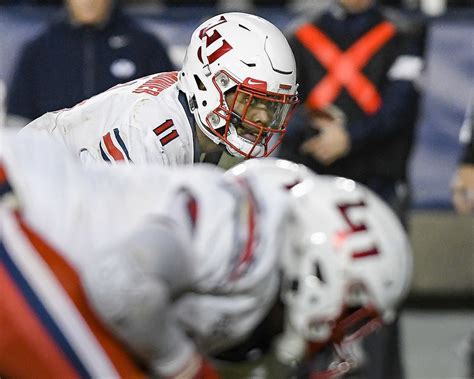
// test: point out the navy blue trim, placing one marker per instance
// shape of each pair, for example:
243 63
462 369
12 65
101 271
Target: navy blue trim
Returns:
102 153
184 103
39 309
5 188
121 143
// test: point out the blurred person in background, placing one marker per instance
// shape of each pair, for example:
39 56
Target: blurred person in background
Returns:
463 181
90 48
358 72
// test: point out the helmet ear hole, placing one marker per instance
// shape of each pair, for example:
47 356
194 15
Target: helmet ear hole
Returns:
200 85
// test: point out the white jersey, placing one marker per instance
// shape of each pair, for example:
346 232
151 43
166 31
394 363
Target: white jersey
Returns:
146 120
231 232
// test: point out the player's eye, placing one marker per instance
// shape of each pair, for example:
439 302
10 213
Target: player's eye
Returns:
244 98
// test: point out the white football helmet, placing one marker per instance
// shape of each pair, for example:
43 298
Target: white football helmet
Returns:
246 55
342 233
313 276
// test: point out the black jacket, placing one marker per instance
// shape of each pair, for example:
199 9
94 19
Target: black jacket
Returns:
68 63
381 142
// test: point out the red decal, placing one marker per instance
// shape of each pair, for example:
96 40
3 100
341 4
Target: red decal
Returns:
205 30
365 253
192 210
341 236
3 175
211 39
158 83
247 254
285 87
343 209
256 84
219 52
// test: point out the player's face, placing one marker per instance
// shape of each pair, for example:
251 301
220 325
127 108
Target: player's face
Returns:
260 112
89 12
356 6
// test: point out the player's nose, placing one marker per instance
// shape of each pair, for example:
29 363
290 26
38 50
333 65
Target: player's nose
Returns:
261 116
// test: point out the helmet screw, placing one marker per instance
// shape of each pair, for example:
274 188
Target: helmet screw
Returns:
214 119
224 80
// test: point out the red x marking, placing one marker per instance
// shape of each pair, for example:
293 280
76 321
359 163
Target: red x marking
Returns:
344 68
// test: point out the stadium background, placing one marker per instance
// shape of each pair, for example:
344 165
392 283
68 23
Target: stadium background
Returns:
442 296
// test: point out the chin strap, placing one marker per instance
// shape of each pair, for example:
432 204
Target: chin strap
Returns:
347 353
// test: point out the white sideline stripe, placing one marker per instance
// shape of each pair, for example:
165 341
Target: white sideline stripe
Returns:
56 301
406 67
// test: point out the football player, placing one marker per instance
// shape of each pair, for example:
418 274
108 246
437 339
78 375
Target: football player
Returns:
345 270
101 268
236 89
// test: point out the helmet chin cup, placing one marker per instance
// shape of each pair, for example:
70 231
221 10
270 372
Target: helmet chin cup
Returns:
239 147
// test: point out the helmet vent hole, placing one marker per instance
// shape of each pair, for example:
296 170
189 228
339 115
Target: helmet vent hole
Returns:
294 284
318 272
248 64
199 83
244 27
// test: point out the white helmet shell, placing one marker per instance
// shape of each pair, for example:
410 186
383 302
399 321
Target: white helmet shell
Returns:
337 216
313 276
243 52
361 228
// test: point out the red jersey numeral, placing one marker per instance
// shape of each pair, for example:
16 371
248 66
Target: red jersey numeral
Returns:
166 132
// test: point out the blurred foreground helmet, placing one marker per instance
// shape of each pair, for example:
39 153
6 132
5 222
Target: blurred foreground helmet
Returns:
244 55
313 276
348 263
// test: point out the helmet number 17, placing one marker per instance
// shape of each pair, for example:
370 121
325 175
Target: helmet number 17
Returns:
354 228
211 39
